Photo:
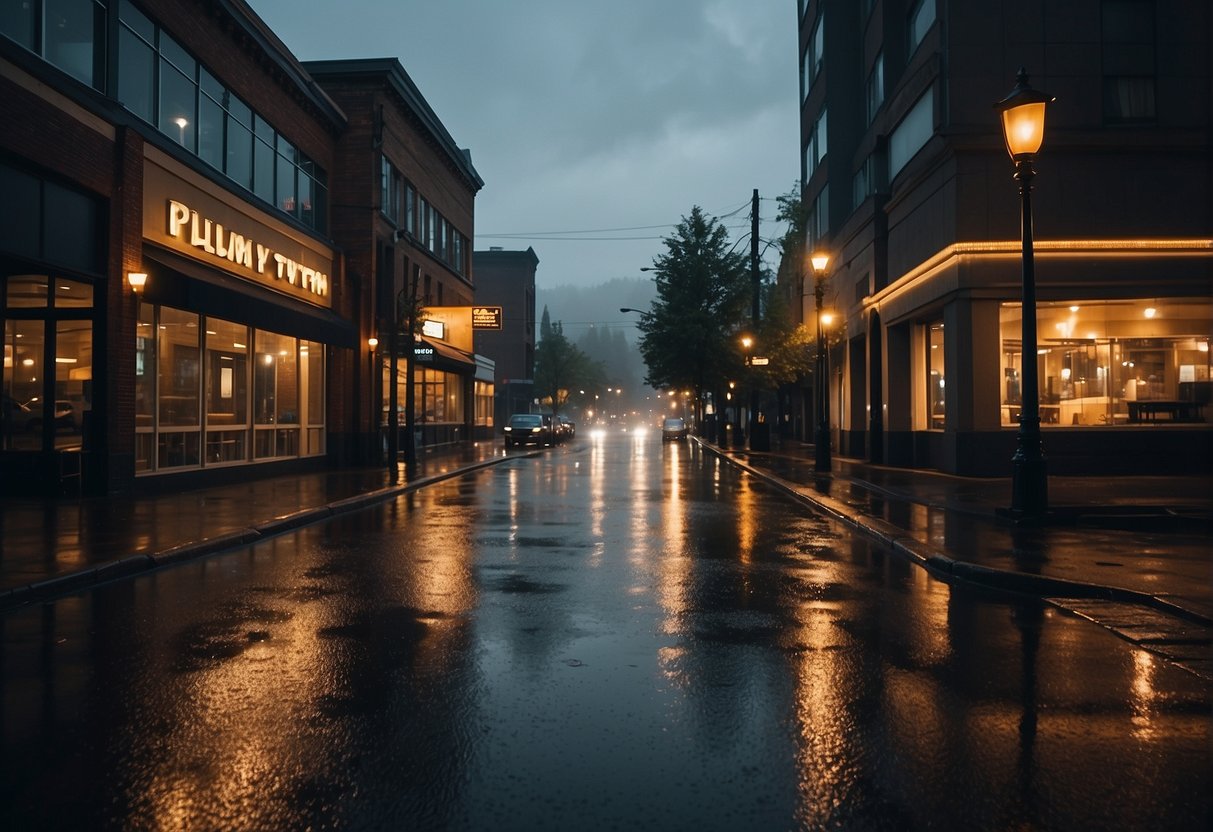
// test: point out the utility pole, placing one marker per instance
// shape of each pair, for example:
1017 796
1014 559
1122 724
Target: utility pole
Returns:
759 436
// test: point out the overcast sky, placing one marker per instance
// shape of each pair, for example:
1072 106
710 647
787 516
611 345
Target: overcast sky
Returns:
589 115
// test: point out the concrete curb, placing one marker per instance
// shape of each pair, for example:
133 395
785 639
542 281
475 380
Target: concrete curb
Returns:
950 569
84 579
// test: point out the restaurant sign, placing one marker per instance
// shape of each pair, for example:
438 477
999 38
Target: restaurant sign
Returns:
486 317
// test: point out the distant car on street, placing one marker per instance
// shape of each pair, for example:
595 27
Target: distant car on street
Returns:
529 429
566 428
673 429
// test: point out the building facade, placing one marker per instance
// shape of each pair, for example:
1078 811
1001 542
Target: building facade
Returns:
507 279
909 188
404 200
172 303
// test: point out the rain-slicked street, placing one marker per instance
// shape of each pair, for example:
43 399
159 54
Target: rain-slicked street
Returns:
615 633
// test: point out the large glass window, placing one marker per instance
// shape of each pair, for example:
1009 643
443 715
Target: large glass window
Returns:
936 400
914 131
1128 58
921 19
227 385
48 362
1140 362
178 386
161 82
145 389
136 69
275 396
311 374
178 93
875 87
259 390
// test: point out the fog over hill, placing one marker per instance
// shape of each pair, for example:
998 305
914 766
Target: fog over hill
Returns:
591 319
579 308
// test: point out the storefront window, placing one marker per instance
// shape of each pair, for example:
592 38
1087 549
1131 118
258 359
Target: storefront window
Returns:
73 382
1140 362
227 385
24 363
311 373
145 388
936 400
263 392
178 386
275 396
484 403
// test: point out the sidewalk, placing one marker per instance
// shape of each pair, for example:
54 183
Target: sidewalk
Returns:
1149 535
1133 553
53 547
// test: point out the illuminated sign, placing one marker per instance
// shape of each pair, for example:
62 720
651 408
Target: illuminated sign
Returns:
209 236
423 353
434 329
760 362
486 317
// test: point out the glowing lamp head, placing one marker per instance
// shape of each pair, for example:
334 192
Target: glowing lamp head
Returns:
819 260
137 280
372 342
1023 118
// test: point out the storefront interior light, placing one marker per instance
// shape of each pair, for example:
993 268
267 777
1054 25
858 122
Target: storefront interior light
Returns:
137 280
1151 312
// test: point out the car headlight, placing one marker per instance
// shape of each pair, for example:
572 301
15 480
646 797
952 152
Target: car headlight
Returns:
536 430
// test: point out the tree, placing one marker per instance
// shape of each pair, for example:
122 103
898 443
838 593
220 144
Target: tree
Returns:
688 338
560 366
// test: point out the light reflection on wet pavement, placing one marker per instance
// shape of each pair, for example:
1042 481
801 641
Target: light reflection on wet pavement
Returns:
609 635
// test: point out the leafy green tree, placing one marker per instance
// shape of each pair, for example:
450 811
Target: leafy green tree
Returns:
560 366
786 344
688 337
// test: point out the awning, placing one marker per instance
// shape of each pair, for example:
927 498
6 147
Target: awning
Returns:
444 357
181 283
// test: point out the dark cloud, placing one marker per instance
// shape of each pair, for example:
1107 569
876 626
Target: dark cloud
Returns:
587 115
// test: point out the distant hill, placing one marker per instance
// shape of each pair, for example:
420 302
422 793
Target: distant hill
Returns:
582 307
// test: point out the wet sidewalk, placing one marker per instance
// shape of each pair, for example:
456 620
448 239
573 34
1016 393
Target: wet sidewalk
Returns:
1149 535
52 547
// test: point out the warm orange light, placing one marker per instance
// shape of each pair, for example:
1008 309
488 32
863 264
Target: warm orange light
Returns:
746 341
827 318
372 342
137 280
1023 127
820 260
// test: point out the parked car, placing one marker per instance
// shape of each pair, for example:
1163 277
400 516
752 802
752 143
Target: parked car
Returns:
566 427
673 429
529 429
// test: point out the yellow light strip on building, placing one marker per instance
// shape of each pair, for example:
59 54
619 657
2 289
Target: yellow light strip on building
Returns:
1044 248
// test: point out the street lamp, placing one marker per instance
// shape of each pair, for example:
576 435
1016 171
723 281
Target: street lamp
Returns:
1023 128
821 438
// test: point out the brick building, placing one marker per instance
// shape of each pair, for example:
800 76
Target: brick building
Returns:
174 291
404 197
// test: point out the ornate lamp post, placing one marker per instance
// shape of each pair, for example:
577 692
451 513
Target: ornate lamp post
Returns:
821 438
1023 128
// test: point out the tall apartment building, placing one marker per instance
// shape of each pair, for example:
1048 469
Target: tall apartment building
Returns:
910 190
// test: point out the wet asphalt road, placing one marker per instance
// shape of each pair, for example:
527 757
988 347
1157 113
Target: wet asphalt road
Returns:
612 634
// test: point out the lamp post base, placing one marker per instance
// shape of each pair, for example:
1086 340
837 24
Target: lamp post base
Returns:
821 446
1029 486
